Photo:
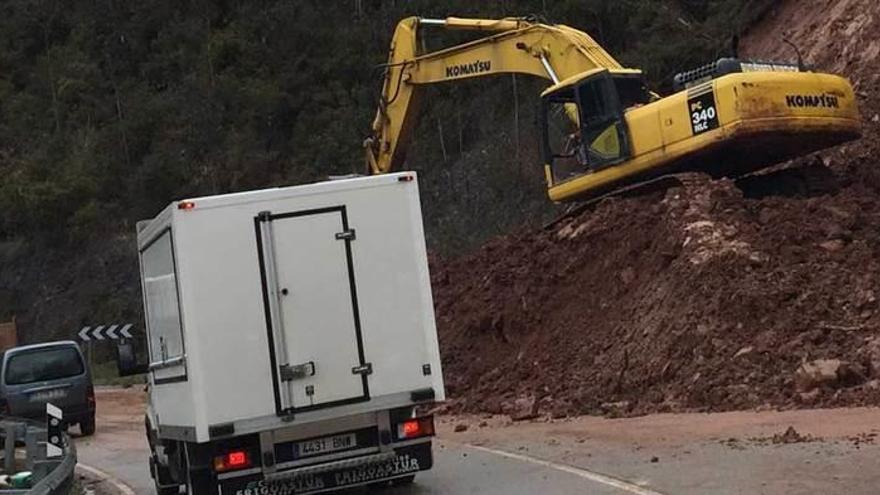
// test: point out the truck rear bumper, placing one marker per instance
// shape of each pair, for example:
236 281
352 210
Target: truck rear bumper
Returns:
401 462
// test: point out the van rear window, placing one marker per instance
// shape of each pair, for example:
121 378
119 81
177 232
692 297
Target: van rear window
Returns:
52 363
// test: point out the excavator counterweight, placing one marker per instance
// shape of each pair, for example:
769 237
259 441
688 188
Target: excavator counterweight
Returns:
601 128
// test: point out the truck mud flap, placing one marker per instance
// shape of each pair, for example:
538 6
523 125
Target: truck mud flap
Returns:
407 461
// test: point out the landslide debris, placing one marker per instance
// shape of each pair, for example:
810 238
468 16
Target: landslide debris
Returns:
695 298
711 296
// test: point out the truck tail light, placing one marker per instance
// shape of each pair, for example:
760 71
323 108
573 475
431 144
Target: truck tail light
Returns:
231 461
416 428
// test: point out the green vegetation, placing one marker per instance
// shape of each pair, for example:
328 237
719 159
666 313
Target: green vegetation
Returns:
109 109
105 374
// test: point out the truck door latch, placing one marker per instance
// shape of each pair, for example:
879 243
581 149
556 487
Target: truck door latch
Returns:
346 235
365 369
295 372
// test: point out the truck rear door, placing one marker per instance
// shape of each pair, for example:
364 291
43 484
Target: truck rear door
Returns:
311 309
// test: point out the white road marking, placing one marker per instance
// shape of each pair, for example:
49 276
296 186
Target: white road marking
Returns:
583 473
121 487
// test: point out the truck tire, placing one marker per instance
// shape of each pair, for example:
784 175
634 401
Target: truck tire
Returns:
87 426
162 479
200 483
200 478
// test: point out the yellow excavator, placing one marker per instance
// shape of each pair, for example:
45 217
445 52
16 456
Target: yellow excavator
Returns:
602 129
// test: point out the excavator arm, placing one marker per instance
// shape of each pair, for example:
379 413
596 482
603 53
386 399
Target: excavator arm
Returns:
514 45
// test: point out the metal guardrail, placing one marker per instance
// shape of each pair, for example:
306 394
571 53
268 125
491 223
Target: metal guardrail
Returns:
48 476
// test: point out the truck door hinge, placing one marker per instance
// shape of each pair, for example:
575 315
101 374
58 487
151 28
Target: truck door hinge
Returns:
295 372
346 235
365 369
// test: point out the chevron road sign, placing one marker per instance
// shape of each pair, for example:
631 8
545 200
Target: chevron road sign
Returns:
105 332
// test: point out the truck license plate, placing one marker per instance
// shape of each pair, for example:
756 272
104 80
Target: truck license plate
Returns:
324 445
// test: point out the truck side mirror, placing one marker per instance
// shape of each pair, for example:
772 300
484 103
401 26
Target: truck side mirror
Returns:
126 360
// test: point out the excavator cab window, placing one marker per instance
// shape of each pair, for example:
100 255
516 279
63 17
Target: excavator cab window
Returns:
584 127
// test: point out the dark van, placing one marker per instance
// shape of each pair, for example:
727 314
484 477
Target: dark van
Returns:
53 372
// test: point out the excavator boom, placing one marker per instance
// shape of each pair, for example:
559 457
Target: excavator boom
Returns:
514 46
601 128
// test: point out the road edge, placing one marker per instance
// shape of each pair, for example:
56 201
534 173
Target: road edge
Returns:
117 486
593 476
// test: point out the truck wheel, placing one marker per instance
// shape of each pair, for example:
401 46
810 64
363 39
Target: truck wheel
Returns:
200 478
200 483
162 479
168 490
87 427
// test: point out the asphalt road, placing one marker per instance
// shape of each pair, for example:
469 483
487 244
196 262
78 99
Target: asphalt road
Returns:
119 449
834 452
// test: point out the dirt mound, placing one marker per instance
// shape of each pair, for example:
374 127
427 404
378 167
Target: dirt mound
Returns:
708 296
693 299
839 36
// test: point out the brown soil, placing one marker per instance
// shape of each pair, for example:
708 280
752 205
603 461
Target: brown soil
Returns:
706 296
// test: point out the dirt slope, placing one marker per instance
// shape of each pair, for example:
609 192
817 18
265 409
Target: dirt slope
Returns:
708 296
839 36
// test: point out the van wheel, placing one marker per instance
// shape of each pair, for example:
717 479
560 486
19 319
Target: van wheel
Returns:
87 427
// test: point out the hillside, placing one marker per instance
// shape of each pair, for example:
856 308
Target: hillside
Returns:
710 296
108 111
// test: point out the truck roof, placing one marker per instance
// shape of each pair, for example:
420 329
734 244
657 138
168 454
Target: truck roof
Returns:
147 229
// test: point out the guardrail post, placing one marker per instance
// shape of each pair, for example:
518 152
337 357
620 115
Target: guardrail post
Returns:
30 443
49 476
9 447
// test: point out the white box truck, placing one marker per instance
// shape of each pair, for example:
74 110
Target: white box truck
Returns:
291 336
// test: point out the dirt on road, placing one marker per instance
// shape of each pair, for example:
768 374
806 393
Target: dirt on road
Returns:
829 451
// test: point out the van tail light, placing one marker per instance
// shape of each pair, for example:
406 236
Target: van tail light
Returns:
4 407
90 396
232 461
416 428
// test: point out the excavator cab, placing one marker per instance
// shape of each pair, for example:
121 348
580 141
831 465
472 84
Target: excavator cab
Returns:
583 123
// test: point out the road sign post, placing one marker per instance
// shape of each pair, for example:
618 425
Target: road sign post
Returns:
54 437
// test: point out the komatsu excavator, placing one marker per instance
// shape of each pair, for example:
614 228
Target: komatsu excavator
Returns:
602 129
